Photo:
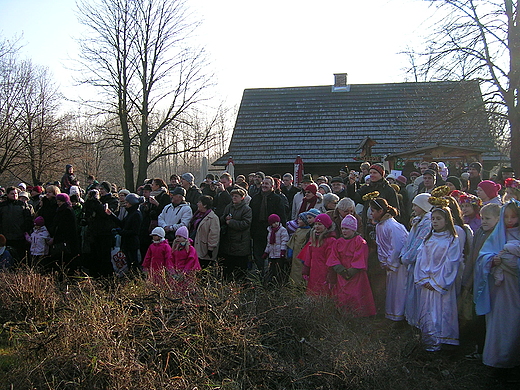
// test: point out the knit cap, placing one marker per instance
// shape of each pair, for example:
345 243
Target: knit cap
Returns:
158 231
314 212
188 177
402 179
421 200
133 199
39 221
63 197
273 218
182 231
292 226
326 188
324 219
312 188
379 168
303 217
490 188
455 181
349 222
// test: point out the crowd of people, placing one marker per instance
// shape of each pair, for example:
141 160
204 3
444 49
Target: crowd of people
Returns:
447 246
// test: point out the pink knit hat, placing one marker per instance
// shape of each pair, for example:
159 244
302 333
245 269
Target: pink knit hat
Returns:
273 218
182 231
324 219
349 222
490 188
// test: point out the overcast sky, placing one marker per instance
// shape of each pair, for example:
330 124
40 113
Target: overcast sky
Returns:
252 44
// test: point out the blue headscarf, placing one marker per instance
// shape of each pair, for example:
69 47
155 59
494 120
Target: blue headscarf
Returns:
494 244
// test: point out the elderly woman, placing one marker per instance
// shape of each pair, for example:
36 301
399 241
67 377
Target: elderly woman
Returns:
343 208
236 236
329 202
204 229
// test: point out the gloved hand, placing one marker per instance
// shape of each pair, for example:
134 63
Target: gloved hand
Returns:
265 255
116 230
210 254
282 253
306 270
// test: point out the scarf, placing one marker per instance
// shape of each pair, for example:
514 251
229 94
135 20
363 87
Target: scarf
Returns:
263 206
195 221
158 192
272 236
308 204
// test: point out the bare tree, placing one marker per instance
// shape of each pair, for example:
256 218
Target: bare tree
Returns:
478 39
138 54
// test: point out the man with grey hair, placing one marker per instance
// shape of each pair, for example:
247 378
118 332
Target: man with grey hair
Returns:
193 193
288 189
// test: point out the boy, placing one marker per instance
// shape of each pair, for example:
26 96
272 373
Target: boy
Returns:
474 327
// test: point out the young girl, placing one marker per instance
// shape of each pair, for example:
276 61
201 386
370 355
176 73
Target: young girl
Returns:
349 259
184 255
295 246
512 191
390 239
470 206
435 274
421 226
158 259
498 298
39 240
276 249
316 253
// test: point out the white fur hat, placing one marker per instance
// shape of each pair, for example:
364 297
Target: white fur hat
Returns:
158 231
421 200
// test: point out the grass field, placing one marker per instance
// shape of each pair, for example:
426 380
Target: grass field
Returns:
79 333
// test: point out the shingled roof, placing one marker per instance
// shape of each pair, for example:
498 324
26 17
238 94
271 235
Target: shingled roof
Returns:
274 125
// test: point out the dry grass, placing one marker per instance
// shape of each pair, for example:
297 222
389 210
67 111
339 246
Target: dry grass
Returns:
83 334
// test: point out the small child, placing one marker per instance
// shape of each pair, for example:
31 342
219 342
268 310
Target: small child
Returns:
316 253
158 259
275 251
311 216
295 246
6 259
499 302
421 227
39 240
436 270
349 259
470 206
390 239
512 189
474 327
184 255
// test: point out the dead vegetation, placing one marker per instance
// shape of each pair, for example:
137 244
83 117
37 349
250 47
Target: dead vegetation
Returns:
130 334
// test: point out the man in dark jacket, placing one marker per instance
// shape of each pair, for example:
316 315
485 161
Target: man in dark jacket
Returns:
193 193
263 204
15 221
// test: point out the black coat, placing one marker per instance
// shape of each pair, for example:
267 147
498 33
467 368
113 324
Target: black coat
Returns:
130 226
236 236
64 228
275 205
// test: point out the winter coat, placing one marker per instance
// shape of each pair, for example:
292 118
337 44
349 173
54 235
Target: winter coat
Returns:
130 226
64 228
38 240
175 216
236 235
99 223
192 197
47 211
207 237
275 250
275 205
185 260
158 257
15 219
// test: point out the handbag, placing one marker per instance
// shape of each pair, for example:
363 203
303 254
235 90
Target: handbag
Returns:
118 258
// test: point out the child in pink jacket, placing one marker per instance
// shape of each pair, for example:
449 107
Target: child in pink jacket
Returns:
158 259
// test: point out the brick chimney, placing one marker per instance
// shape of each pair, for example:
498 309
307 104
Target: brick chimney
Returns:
340 83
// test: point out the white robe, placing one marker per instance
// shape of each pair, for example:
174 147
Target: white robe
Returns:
390 238
438 263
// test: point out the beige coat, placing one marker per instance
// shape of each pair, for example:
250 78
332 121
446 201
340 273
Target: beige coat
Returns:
207 238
